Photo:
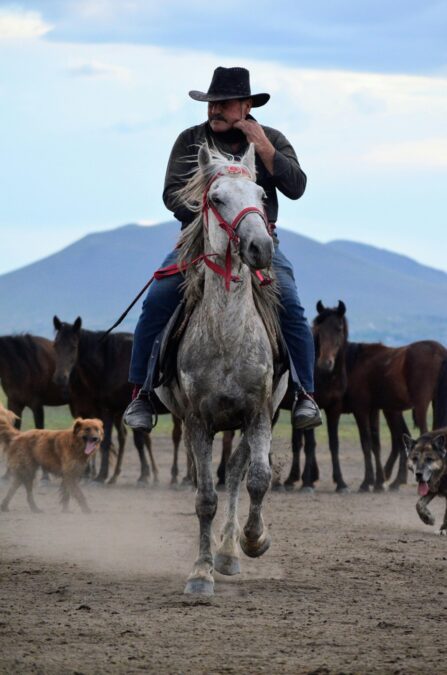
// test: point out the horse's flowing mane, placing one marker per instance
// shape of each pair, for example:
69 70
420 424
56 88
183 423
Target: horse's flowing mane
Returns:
191 245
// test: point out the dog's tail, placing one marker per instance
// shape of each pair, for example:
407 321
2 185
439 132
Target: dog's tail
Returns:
7 433
440 400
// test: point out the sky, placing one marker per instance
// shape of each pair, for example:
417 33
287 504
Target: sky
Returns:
93 94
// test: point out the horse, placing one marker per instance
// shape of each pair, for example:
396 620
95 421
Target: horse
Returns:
27 364
95 371
363 378
226 377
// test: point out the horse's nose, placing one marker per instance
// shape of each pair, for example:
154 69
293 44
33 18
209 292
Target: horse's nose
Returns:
326 365
258 254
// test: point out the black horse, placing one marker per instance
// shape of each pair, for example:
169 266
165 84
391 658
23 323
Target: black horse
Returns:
96 372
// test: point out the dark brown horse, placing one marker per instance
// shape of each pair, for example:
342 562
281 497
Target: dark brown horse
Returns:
96 373
362 378
27 364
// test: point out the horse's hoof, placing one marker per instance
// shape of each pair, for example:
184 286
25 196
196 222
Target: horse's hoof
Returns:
199 586
143 481
379 488
364 487
307 490
226 564
277 487
255 548
99 480
220 487
112 481
442 532
289 486
394 486
342 490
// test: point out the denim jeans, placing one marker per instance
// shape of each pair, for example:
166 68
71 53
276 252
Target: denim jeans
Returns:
164 295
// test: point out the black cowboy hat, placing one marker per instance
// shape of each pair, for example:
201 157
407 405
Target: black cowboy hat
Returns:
228 83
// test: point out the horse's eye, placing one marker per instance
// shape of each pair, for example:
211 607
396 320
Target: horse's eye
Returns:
216 200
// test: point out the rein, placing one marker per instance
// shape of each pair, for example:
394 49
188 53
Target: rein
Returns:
230 229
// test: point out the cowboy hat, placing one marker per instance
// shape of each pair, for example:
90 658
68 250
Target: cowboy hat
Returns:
229 83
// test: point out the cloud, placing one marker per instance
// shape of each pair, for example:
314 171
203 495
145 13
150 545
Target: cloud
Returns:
430 153
98 69
16 23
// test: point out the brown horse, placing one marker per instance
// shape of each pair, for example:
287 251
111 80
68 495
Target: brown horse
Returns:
362 378
96 371
27 364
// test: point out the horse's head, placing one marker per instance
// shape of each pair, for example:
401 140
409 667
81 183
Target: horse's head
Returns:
66 345
234 208
330 330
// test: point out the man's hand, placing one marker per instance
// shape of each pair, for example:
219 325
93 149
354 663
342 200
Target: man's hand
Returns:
256 134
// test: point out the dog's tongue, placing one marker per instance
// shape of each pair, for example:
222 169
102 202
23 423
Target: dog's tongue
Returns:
423 489
90 446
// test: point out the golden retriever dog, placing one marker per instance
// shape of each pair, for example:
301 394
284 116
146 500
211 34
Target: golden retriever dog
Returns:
64 453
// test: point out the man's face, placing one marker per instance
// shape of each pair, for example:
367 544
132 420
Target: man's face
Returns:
223 114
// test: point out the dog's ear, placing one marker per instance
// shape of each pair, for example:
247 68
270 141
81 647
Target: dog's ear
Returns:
439 444
408 443
77 424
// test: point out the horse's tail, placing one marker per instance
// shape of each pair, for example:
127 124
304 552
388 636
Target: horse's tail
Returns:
440 400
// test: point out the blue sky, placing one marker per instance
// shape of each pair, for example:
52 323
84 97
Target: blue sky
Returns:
93 94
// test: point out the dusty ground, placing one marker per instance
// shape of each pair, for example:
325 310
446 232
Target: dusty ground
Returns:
351 584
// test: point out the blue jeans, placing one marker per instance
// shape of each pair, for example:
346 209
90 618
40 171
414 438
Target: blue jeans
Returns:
163 297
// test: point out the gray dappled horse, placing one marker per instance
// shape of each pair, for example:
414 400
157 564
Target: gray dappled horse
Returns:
225 362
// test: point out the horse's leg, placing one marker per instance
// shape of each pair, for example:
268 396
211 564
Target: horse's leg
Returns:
121 433
420 416
375 441
200 443
227 442
297 444
39 423
333 419
226 560
176 438
148 443
107 418
139 442
254 539
391 420
362 419
310 473
397 427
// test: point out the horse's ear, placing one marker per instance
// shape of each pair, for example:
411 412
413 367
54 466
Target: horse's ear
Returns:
341 309
248 160
408 443
204 156
320 307
77 324
57 323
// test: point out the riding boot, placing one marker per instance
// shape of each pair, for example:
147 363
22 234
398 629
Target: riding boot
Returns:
305 412
140 413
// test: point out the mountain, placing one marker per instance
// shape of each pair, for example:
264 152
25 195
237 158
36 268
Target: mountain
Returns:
389 297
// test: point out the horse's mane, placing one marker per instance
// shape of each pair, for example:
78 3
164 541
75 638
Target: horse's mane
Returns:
191 245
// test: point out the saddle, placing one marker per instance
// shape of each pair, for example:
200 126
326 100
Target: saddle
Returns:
163 360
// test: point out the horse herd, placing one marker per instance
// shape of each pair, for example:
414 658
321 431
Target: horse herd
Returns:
90 374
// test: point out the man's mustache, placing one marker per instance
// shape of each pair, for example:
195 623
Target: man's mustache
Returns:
218 116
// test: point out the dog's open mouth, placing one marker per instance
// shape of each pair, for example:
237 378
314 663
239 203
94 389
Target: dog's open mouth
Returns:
90 445
423 489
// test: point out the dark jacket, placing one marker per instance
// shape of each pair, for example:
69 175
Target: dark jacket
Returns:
288 177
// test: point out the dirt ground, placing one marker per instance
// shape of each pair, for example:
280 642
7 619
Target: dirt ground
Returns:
352 583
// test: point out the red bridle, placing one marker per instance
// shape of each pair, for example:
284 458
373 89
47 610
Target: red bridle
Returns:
230 228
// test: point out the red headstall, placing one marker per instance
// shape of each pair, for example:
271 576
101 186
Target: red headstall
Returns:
230 228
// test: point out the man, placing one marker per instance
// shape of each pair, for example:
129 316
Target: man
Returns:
230 128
